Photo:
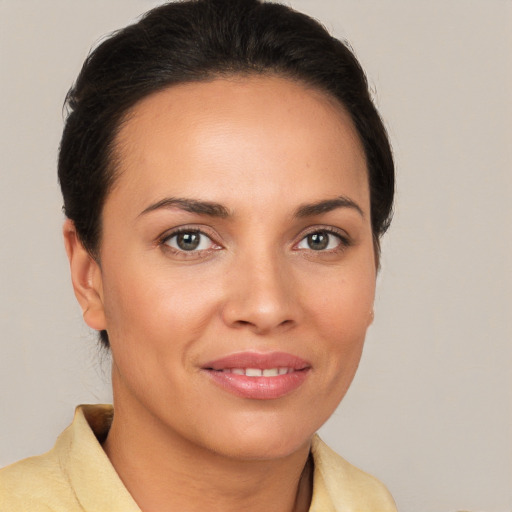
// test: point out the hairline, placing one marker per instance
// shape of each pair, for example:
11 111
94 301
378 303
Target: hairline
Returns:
126 114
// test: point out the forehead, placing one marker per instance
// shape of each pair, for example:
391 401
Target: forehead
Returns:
243 132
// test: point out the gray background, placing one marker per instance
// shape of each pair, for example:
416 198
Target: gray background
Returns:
430 412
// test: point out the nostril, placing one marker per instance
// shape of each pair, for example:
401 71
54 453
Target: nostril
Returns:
244 324
263 327
259 312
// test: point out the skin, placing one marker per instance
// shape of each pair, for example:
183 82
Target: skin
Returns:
262 147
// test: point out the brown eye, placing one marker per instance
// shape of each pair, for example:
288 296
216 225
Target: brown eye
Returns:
322 240
189 241
318 241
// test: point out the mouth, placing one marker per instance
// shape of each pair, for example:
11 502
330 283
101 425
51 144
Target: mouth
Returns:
258 372
258 376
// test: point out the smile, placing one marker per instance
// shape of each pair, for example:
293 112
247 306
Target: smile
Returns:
257 372
258 376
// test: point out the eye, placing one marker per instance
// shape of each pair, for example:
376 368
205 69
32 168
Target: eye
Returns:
190 240
322 240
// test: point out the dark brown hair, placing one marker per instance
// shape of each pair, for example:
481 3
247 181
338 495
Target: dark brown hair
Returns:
198 40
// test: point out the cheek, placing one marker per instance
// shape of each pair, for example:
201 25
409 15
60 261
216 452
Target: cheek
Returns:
344 303
342 315
153 323
154 311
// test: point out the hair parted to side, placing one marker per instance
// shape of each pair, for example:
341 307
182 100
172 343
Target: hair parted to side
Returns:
199 40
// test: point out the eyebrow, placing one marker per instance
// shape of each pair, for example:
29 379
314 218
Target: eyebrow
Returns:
309 210
213 209
190 205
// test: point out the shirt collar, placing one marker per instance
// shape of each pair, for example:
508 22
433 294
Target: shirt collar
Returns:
87 467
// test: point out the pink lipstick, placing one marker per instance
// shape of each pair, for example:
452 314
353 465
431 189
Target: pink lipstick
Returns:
258 376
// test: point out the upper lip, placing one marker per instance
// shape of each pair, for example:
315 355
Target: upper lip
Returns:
259 360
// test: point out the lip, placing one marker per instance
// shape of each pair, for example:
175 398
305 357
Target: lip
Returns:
258 388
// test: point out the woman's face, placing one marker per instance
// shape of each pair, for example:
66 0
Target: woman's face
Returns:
237 264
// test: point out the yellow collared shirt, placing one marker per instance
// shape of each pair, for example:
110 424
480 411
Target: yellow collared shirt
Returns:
77 476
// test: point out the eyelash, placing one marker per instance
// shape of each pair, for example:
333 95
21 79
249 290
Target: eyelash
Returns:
163 241
344 240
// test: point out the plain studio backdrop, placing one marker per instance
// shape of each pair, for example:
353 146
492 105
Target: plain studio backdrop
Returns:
430 411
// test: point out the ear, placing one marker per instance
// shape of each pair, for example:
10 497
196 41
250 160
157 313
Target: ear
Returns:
86 278
371 317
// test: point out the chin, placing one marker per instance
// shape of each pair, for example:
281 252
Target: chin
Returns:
262 440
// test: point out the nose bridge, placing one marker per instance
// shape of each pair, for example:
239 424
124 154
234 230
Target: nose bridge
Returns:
260 291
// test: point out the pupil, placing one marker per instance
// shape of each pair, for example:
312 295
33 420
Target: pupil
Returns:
318 241
188 241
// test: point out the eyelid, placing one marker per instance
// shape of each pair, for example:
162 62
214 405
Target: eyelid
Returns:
203 230
344 237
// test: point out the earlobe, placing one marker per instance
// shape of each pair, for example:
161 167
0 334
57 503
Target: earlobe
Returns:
371 317
86 278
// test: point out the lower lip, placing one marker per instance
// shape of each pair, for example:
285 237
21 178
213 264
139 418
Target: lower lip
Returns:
259 388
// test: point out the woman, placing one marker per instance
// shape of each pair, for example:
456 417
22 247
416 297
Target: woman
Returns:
226 181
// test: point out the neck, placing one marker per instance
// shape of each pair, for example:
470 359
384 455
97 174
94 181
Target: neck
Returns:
164 471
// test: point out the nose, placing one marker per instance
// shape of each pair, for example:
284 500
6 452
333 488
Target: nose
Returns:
261 295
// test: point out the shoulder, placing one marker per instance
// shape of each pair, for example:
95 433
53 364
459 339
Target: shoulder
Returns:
34 484
345 484
44 482
74 476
